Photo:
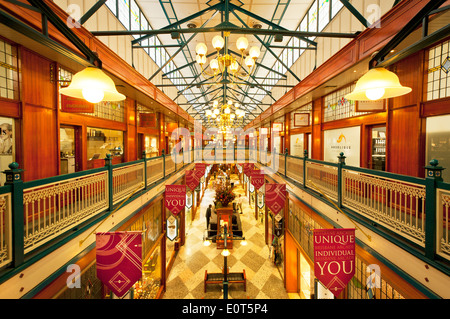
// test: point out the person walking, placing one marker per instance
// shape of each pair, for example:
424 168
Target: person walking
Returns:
208 215
239 203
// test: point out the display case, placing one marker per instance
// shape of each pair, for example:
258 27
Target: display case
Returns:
149 285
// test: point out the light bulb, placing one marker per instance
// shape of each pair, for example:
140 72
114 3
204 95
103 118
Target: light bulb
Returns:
230 102
236 105
201 49
218 42
214 64
93 95
249 62
254 52
242 43
244 243
208 113
234 66
227 110
215 103
206 243
201 59
375 93
216 111
225 252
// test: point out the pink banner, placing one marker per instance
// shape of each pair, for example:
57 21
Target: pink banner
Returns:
334 257
200 169
175 198
275 197
257 179
192 180
119 260
248 167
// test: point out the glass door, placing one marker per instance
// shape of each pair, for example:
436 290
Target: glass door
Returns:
69 149
377 159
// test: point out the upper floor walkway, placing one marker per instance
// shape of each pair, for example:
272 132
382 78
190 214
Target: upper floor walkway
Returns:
39 217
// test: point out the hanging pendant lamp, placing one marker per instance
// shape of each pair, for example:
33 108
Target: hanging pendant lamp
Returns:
93 85
377 83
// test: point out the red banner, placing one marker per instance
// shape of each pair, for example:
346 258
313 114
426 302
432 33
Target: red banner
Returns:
334 257
192 180
257 179
248 167
275 197
175 198
74 105
200 169
119 260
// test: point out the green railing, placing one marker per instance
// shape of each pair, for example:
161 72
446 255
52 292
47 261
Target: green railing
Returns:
395 202
33 214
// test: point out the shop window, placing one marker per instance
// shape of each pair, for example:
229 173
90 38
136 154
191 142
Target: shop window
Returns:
7 145
438 142
337 107
438 75
101 142
8 71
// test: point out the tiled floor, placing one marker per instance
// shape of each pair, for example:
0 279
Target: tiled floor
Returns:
185 280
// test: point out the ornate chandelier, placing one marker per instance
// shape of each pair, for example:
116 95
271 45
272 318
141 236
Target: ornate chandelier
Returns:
226 64
223 118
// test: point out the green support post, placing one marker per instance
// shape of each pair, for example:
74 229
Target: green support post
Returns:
285 161
434 175
341 163
164 163
305 157
144 157
14 178
108 164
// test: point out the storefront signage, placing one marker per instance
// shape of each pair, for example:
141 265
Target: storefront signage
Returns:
119 260
172 228
297 145
370 106
147 120
346 140
334 257
275 197
301 119
260 200
192 179
74 105
175 198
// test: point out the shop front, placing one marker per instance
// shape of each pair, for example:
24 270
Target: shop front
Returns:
101 142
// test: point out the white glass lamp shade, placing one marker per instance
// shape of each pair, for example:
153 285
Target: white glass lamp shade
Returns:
93 85
232 116
249 62
227 110
377 83
218 42
254 52
208 112
236 105
214 115
216 111
242 43
215 103
234 66
201 59
230 102
201 49
214 64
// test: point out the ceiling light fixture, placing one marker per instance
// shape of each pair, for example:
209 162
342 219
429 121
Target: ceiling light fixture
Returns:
226 64
377 83
93 85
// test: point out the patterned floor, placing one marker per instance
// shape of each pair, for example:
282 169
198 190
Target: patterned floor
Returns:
263 277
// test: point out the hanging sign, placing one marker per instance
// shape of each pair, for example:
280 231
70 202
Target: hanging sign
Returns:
278 226
188 199
275 197
334 257
248 167
260 200
172 228
175 198
257 179
192 180
200 169
119 260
